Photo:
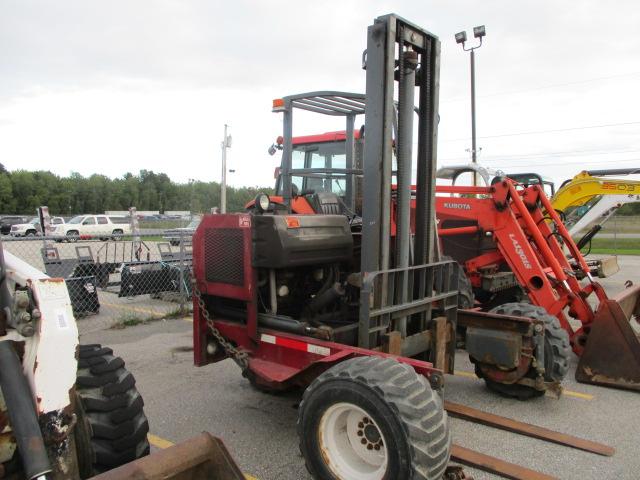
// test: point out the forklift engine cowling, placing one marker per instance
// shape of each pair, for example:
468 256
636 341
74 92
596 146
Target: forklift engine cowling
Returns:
284 241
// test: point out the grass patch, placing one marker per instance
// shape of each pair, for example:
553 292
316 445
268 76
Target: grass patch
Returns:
177 313
130 320
613 246
622 224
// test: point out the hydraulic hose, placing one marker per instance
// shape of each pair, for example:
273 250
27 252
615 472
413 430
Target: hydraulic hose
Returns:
22 414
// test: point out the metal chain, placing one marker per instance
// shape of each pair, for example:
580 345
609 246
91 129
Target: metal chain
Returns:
241 358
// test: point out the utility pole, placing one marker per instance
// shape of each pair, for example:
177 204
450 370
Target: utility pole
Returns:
226 143
461 37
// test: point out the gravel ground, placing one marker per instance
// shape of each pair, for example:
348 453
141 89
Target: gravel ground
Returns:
260 429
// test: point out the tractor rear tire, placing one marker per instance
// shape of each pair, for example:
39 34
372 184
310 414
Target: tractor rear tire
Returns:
465 295
556 351
112 427
373 418
465 300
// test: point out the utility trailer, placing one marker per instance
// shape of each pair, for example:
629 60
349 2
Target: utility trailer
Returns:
353 308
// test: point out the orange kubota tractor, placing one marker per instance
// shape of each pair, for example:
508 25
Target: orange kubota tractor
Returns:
510 240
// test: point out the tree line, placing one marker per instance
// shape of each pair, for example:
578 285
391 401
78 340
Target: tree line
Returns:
22 192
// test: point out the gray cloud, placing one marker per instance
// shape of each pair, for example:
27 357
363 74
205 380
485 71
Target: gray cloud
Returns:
259 50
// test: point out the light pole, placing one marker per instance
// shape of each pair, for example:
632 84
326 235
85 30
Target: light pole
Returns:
226 143
191 198
461 37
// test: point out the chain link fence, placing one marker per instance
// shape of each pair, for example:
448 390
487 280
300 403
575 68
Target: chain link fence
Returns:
120 279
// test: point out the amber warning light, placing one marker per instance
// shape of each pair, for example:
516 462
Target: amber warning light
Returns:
293 222
278 105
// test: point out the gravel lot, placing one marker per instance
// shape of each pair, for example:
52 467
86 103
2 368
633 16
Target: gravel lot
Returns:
260 429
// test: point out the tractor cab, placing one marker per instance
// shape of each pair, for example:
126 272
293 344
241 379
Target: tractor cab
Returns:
317 154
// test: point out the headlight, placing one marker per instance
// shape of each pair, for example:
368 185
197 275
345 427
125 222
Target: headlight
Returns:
262 202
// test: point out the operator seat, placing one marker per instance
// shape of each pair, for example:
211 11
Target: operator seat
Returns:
326 203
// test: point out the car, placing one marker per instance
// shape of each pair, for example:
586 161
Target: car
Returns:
175 235
8 221
32 227
92 226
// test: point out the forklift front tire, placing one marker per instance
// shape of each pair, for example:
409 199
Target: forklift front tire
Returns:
371 418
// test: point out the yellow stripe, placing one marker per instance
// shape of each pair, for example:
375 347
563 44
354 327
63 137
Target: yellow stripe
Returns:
159 442
462 373
249 477
188 319
569 393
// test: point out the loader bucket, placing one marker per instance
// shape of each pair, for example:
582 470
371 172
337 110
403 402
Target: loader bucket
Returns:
204 456
611 356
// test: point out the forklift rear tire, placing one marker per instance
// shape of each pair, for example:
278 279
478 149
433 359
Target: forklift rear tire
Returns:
262 388
371 418
112 427
556 351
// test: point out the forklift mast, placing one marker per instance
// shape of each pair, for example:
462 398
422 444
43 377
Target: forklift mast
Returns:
419 65
400 57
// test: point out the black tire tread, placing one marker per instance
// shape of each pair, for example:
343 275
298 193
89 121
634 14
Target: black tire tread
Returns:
419 409
113 408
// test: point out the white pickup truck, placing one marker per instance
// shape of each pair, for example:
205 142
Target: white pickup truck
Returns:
92 226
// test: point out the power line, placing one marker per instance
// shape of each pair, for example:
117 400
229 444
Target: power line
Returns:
580 162
536 132
545 87
571 153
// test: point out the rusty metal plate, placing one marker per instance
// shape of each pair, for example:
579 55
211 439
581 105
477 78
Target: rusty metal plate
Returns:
199 457
494 347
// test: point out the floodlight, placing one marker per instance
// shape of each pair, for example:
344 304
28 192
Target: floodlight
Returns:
479 31
461 37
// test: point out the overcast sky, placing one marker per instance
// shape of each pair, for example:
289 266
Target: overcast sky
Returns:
118 86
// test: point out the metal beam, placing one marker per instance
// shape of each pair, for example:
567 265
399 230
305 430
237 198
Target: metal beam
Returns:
526 429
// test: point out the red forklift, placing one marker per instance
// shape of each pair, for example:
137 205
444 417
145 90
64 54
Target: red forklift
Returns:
359 309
